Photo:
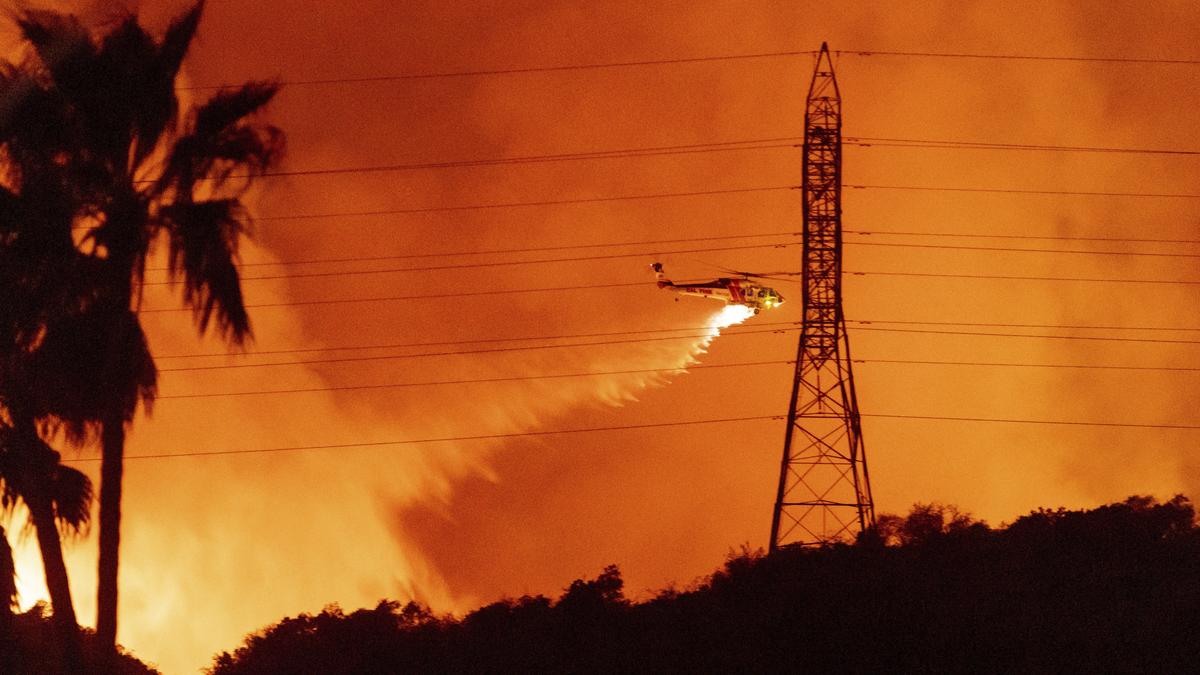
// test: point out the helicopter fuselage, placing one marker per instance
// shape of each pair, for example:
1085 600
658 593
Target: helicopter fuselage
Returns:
728 290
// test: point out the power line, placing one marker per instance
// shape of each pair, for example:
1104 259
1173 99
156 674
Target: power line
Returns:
468 342
1024 335
867 141
725 331
394 298
462 294
508 205
489 380
780 142
863 325
624 427
507 263
1024 250
464 352
1005 364
442 439
1026 192
1022 236
615 256
729 146
1131 425
1176 329
696 193
520 71
399 77
644 371
532 249
1010 277
1020 57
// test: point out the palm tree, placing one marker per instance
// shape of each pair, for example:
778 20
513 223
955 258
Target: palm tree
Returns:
55 496
8 602
140 171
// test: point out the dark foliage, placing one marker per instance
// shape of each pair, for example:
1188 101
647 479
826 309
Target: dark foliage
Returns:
28 646
1114 589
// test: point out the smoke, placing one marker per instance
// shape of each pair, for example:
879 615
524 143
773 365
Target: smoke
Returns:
218 546
215 547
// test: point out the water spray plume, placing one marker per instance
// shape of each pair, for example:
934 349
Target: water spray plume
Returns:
730 315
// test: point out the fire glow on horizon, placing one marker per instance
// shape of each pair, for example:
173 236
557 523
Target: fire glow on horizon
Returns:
216 547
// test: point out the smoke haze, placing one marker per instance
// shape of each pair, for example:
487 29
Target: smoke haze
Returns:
215 547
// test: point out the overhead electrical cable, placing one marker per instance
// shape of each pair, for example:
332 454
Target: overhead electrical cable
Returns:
677 370
641 254
1077 193
1020 57
521 70
506 263
980 235
439 295
485 72
399 345
782 233
731 330
487 380
728 333
995 420
1024 335
509 205
624 427
868 141
1008 364
1013 249
440 439
779 142
731 146
461 294
464 352
500 251
1064 326
1013 277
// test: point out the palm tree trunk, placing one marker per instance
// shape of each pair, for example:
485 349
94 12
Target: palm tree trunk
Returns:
8 596
42 514
111 471
36 494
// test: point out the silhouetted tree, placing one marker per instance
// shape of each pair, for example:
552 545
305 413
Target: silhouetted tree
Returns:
55 495
49 320
1051 593
138 171
8 603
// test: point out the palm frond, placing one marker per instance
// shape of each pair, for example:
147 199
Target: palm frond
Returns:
136 106
29 466
221 141
63 45
71 494
179 37
202 249
91 365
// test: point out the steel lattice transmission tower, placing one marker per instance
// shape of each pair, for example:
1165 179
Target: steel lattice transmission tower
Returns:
824 489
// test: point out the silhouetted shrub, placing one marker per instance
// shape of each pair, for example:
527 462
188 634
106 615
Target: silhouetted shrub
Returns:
1115 588
29 646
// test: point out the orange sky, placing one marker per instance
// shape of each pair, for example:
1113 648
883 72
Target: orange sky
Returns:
218 546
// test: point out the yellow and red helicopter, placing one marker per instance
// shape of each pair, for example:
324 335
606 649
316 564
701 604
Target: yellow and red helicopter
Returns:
727 289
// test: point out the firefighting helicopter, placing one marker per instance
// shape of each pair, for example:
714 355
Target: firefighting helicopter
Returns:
730 291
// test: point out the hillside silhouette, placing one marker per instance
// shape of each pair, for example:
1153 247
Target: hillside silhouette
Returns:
1111 589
